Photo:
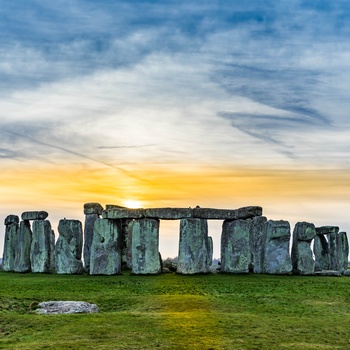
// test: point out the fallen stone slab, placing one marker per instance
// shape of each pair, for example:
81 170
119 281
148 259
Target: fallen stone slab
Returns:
346 273
325 230
328 273
227 214
93 208
168 213
34 215
66 307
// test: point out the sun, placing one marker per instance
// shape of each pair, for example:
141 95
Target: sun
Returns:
132 204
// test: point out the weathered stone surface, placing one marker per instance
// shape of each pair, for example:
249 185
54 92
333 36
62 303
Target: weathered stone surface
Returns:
321 252
34 215
227 214
123 213
52 247
42 251
334 261
69 247
93 208
235 246
22 249
126 245
116 212
277 259
328 273
210 250
193 247
88 235
302 256
114 206
325 230
346 273
257 243
168 213
105 256
343 251
10 241
11 219
145 247
66 307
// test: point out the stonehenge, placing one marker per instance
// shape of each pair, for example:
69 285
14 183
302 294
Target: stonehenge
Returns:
116 238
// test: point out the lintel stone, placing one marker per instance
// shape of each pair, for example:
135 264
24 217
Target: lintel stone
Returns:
11 219
227 214
169 213
326 230
123 213
93 208
182 213
34 215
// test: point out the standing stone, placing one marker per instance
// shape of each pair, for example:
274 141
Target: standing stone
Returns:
52 247
11 233
235 246
193 246
257 240
145 247
277 259
321 252
210 251
105 256
23 244
41 251
69 247
343 251
334 261
127 225
92 212
302 257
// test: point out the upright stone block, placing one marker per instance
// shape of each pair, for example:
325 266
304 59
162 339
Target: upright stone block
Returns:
145 247
126 247
193 247
11 233
277 259
105 256
210 250
321 252
235 246
69 247
302 257
42 251
92 212
343 251
23 244
334 261
257 240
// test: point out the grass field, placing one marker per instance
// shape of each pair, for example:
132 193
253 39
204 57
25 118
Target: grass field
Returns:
178 312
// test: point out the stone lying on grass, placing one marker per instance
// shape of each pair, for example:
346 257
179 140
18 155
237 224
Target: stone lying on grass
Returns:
328 273
66 307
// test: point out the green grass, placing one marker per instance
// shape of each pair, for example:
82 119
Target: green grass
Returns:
178 312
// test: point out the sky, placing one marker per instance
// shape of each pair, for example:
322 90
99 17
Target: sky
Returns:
220 103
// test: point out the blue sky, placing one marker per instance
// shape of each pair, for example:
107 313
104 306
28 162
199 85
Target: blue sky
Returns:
225 85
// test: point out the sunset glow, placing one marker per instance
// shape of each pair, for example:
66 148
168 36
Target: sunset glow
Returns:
176 104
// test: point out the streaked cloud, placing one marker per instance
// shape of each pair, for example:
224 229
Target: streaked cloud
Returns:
120 91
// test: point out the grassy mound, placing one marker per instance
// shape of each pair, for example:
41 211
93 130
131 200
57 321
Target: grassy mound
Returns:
177 312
